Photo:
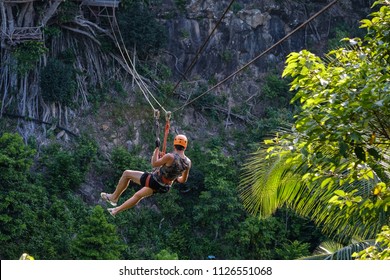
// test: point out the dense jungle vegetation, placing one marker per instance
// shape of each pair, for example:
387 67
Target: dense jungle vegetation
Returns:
312 172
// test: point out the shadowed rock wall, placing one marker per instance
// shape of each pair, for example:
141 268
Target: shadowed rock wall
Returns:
250 27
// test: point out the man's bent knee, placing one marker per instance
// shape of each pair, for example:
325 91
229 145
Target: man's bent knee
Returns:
128 174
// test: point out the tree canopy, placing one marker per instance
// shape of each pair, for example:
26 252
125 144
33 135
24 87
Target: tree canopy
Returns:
333 164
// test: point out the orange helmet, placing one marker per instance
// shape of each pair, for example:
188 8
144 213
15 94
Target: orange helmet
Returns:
180 140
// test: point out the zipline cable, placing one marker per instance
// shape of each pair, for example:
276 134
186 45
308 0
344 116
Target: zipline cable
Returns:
260 55
202 47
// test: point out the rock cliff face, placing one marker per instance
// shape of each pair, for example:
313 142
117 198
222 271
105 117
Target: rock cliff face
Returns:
248 28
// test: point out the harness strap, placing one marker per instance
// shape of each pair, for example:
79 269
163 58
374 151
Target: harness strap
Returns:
147 181
166 181
166 132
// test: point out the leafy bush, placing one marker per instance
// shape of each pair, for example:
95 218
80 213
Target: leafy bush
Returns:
58 82
64 169
15 159
166 255
67 11
122 159
97 239
28 54
276 90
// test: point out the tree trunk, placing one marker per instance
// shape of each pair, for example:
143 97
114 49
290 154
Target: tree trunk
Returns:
3 23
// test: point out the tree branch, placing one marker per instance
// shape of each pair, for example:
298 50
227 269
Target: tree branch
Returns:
82 32
50 11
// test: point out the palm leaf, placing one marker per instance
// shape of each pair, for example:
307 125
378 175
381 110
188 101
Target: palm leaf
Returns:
268 183
260 184
330 250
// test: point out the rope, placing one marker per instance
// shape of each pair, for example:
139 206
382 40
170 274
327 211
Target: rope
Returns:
203 46
143 86
135 71
132 71
260 55
156 123
129 69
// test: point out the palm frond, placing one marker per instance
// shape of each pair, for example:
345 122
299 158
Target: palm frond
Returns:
260 184
330 250
268 183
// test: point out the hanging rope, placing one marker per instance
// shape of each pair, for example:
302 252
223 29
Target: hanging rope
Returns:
132 70
203 46
136 73
260 55
157 124
143 88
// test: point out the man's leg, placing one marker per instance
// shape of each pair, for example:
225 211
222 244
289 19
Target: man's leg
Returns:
132 201
127 176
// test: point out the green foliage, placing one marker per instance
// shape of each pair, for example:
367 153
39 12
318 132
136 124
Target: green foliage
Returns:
97 239
332 166
85 153
293 250
275 88
39 215
67 56
181 4
166 255
381 251
61 174
122 160
15 159
67 11
236 7
140 227
140 29
28 54
52 31
227 56
51 237
29 220
255 238
19 217
58 82
65 170
219 193
340 32
218 208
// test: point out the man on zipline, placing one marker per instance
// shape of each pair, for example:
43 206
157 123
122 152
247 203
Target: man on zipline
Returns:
170 167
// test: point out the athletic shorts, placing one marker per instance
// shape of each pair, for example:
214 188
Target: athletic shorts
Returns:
153 184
